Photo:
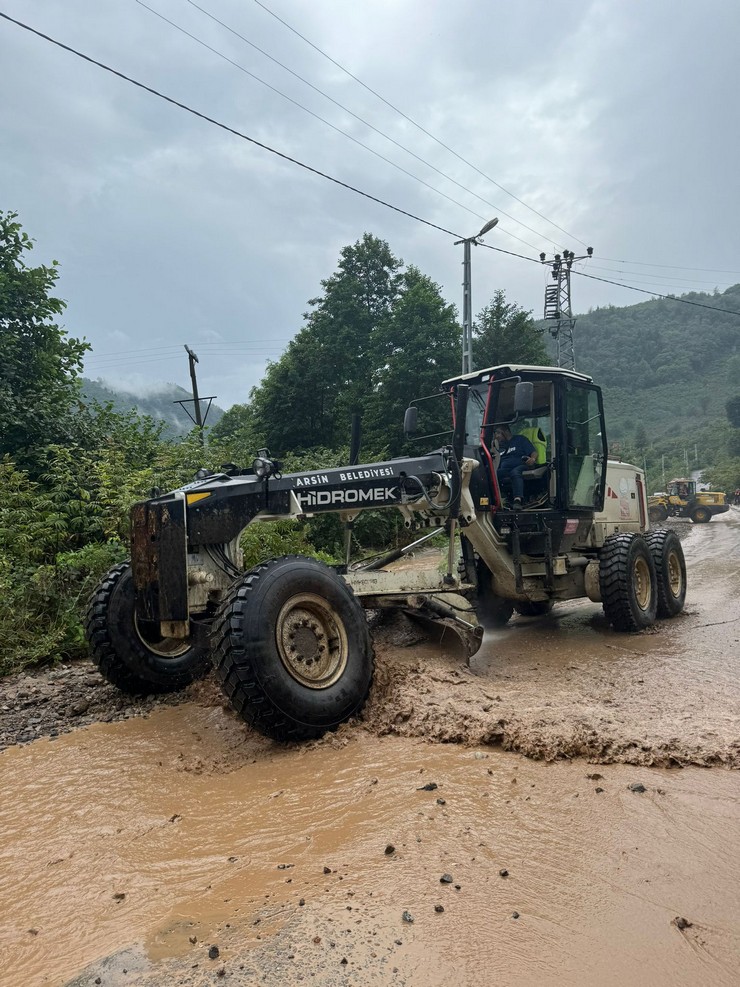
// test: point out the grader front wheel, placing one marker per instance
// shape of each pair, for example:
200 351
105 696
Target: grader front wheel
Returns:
131 654
292 649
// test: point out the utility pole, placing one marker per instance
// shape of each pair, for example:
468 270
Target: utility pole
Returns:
467 339
558 309
198 419
193 359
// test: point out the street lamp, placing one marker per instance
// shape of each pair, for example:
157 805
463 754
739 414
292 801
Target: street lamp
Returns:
467 342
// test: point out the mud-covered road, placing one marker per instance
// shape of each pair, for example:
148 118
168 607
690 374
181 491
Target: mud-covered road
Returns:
177 847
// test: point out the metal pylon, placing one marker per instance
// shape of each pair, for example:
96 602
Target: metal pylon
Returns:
558 310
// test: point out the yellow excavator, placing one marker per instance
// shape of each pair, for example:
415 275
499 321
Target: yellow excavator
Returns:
682 499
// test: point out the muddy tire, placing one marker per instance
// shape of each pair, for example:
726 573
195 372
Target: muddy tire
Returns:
131 655
628 582
658 514
701 515
533 608
492 611
293 651
670 569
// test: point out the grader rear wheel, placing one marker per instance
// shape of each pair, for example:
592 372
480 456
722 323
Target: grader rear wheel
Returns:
670 568
628 582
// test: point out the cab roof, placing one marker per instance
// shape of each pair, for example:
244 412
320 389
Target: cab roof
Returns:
509 370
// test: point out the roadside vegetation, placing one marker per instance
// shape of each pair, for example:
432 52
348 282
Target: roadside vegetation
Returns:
378 334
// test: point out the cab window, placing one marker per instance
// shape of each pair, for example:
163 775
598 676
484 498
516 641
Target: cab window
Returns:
586 446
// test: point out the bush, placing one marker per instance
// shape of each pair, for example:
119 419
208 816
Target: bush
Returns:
42 607
266 540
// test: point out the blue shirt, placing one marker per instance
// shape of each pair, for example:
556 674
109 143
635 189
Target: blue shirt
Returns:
513 450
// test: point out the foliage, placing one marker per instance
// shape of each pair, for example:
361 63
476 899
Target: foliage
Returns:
266 541
415 348
505 334
161 405
308 396
39 365
732 407
671 365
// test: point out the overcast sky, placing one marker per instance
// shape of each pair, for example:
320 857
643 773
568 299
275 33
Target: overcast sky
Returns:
616 121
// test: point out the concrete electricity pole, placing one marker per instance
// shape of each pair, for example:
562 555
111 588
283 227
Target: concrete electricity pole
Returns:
198 418
467 339
193 359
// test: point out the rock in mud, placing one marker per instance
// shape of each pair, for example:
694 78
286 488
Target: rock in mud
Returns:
213 953
408 917
390 849
681 923
503 872
430 786
637 786
446 879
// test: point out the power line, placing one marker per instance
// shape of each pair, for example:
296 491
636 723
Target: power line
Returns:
417 125
674 267
645 291
328 123
225 127
231 344
330 178
346 109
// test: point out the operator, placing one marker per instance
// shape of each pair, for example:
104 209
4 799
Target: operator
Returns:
517 454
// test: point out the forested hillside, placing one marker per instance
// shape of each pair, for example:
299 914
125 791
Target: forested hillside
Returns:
158 404
665 366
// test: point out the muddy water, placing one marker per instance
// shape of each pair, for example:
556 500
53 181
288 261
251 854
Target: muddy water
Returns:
127 850
122 842
567 685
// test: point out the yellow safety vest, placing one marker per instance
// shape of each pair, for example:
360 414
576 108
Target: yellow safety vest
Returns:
537 437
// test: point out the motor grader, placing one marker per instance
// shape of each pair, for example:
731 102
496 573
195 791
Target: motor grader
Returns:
288 638
682 499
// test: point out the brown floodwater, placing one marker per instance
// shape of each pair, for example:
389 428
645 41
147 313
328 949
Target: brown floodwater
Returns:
128 850
120 843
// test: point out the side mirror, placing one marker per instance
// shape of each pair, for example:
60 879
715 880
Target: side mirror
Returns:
524 397
410 420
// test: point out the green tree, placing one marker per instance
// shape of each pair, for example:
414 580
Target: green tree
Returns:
505 333
415 348
308 396
39 365
732 407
